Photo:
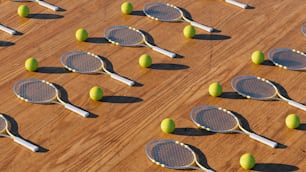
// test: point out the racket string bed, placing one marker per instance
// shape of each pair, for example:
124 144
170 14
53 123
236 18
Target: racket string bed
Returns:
288 58
35 91
124 36
254 87
159 11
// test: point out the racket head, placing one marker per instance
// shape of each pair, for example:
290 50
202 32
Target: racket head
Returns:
82 62
214 119
170 154
288 58
3 124
303 29
254 87
124 36
162 11
35 91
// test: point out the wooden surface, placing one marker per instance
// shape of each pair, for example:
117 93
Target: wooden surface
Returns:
114 138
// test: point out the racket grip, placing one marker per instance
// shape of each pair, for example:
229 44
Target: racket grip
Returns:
198 25
47 5
76 110
263 140
26 144
163 51
7 30
296 104
239 4
122 79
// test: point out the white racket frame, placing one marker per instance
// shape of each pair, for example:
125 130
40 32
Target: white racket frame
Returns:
53 100
6 133
103 68
41 3
234 129
184 19
276 96
143 43
189 166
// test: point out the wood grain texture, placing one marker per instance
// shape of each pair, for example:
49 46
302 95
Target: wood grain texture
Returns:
114 138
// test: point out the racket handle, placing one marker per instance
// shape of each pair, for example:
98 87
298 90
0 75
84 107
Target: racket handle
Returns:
198 25
296 104
122 79
163 51
26 144
7 30
76 110
47 5
239 4
263 140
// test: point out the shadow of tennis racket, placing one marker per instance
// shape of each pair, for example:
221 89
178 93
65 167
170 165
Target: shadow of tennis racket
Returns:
200 156
45 16
271 167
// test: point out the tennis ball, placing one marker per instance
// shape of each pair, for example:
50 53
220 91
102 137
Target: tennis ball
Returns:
292 121
215 89
31 64
23 11
96 93
167 125
189 31
81 34
126 8
247 161
145 60
258 57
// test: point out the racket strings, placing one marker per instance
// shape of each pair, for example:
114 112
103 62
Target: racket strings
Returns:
162 12
35 91
289 58
214 119
254 88
123 36
2 124
81 62
170 154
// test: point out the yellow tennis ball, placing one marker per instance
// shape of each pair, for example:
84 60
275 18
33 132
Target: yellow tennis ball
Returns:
258 57
189 31
247 161
81 34
145 60
292 121
215 89
167 125
96 93
126 8
23 11
31 64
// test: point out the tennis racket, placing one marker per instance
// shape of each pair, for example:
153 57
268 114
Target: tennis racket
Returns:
173 154
5 132
86 62
303 29
219 120
288 58
128 36
260 89
40 91
41 3
169 13
238 4
7 30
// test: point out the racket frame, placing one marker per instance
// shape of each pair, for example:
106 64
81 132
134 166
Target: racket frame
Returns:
277 50
232 130
53 99
144 41
41 3
5 132
276 96
102 69
181 18
189 166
